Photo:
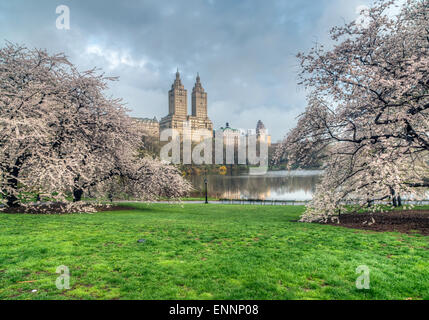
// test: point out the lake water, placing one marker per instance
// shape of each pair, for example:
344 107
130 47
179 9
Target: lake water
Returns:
275 185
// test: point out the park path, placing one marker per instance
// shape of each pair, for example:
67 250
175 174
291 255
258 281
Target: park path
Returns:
236 202
265 202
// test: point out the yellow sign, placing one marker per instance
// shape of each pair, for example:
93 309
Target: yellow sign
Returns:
223 170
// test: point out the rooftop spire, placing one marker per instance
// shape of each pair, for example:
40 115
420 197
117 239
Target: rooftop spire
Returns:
177 82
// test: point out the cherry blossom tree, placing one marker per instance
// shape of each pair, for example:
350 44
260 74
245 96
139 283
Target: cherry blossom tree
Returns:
367 113
28 95
60 134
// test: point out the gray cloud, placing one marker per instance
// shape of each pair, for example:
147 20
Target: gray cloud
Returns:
244 50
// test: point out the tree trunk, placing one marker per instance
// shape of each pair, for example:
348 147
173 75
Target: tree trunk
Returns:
77 194
399 201
394 198
11 199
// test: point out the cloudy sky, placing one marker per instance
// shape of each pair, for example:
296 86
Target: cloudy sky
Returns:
244 50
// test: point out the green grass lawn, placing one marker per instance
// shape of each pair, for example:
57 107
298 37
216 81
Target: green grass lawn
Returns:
205 252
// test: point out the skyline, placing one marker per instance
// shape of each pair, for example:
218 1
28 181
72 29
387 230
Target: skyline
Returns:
244 51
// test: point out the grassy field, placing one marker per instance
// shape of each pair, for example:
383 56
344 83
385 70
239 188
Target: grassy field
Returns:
205 252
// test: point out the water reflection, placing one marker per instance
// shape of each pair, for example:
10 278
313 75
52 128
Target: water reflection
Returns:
275 185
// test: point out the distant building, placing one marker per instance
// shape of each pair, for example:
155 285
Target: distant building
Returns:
260 128
231 135
261 131
198 122
177 117
149 126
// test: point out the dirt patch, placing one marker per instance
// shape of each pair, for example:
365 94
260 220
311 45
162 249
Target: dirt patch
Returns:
400 221
114 208
60 208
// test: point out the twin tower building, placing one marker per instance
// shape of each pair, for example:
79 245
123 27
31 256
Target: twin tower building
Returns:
197 125
178 117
